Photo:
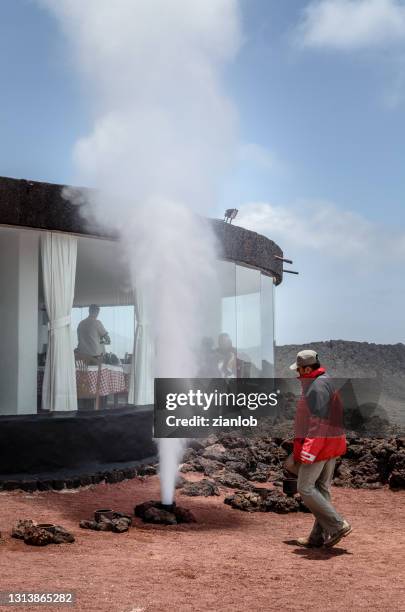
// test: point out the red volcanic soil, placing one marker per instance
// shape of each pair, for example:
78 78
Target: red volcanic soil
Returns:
229 560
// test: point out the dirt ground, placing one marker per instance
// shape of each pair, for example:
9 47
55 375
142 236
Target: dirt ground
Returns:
229 560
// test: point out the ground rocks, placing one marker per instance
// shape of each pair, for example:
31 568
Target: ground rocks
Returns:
204 488
147 470
155 512
216 452
233 481
236 462
18 531
35 536
265 500
62 535
202 464
371 463
117 522
41 534
397 464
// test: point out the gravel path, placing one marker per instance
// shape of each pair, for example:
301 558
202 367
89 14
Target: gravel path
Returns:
230 560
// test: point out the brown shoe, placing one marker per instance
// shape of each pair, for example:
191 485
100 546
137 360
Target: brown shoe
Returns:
308 543
342 533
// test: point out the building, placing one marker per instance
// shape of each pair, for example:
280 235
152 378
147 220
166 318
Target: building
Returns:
61 411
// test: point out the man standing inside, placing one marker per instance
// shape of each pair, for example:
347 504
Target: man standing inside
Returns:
319 439
92 335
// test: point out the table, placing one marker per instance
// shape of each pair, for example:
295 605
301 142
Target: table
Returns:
112 379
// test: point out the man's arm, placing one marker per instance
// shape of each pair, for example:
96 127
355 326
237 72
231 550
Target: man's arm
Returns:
318 399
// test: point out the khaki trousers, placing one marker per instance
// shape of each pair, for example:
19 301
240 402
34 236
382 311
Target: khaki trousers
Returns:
314 482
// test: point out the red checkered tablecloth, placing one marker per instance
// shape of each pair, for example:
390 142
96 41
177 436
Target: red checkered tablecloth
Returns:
112 379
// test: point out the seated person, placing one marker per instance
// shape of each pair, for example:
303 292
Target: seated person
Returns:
226 355
92 335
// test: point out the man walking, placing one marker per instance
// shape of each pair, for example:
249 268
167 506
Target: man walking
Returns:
319 439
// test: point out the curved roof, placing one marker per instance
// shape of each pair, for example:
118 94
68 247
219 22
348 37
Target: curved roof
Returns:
42 206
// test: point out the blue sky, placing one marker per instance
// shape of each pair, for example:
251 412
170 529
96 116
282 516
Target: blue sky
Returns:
321 119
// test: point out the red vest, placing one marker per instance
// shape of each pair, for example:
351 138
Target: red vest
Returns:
316 438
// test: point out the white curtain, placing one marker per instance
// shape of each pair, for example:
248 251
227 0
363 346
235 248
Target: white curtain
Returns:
59 254
141 381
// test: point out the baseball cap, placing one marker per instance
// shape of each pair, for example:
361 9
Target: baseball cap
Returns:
305 358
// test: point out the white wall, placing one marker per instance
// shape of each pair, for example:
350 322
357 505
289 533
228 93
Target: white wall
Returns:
19 321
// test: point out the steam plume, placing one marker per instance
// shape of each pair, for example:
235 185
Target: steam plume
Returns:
163 135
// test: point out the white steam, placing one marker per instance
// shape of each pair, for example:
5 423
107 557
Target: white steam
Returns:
163 135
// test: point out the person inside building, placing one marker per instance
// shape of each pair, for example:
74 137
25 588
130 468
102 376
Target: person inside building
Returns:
226 356
319 440
92 335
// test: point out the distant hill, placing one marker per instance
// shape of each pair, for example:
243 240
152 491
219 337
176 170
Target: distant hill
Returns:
346 358
355 360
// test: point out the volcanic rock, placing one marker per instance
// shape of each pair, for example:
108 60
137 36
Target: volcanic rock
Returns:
196 445
36 536
159 515
62 535
241 467
202 464
120 525
212 439
180 481
232 440
189 454
264 500
261 473
204 488
18 531
397 476
154 512
216 452
122 515
248 501
88 525
147 470
104 524
41 535
276 501
183 515
233 481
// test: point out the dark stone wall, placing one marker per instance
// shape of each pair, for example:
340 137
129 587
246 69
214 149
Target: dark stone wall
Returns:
42 206
39 205
33 444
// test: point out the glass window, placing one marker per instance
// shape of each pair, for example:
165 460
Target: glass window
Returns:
267 325
216 355
69 324
103 322
248 317
84 286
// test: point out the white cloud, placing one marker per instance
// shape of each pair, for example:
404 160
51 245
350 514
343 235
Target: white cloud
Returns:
351 24
323 228
350 273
